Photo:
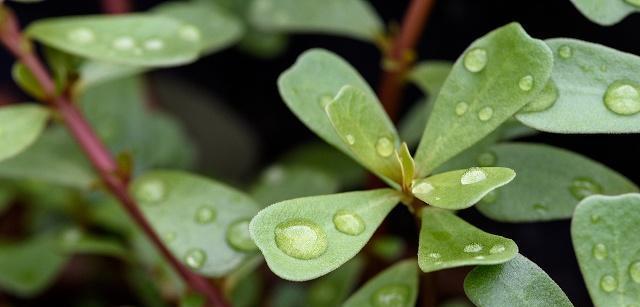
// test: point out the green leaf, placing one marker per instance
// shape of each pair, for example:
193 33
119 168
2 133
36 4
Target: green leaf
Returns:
462 188
388 247
134 39
366 129
282 182
95 72
193 300
497 75
429 76
352 18
333 288
305 238
204 223
411 126
447 241
7 194
606 12
550 182
519 282
20 126
408 166
218 27
395 286
263 44
592 96
604 231
75 241
27 82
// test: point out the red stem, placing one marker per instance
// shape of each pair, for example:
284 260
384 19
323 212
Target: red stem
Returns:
117 6
96 151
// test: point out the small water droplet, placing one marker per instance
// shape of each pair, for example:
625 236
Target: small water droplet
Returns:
634 271
478 257
238 236
301 239
565 51
153 44
391 296
384 147
608 283
540 208
435 255
81 36
461 108
71 236
497 249
205 215
545 100
473 248
635 3
189 33
600 251
526 83
151 191
595 218
422 188
583 187
487 159
485 114
473 175
348 223
124 43
623 98
195 258
475 60
169 237
491 197
350 139
274 174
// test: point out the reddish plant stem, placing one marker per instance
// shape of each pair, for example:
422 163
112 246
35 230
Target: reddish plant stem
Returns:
101 159
401 54
117 6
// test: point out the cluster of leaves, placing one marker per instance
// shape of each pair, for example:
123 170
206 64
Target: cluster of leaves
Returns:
505 85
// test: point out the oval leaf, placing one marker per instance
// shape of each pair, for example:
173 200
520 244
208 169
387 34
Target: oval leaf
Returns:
497 75
305 238
587 76
519 282
550 183
20 126
204 223
606 12
429 76
604 231
447 241
462 188
396 286
333 288
134 39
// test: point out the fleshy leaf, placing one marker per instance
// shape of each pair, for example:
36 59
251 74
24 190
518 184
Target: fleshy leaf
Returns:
305 238
606 12
598 90
395 286
367 130
447 241
429 76
550 182
351 18
27 82
134 39
75 241
20 126
497 75
408 166
461 189
204 223
519 282
333 288
604 231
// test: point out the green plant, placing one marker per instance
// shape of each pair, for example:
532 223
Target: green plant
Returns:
202 240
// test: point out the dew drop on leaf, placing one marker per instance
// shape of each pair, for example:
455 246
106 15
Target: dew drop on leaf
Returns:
461 108
434 255
274 174
497 249
634 271
124 43
473 175
153 44
205 215
608 283
540 208
622 98
81 36
485 114
487 159
238 236
350 139
151 191
584 187
348 223
526 83
169 237
301 239
473 248
475 60
545 100
422 188
390 296
189 33
565 52
384 147
600 251
195 258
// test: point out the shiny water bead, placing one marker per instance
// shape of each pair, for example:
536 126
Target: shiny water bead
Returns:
583 187
151 191
422 188
473 175
205 215
461 108
195 258
608 283
384 147
497 249
391 296
526 83
350 139
189 33
473 248
81 36
124 43
565 51
540 208
623 98
600 251
238 236
348 223
475 60
485 114
545 100
153 44
301 239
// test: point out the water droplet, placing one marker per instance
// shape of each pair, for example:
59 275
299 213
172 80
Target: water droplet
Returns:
422 188
124 43
485 114
491 197
384 147
473 175
608 283
633 2
526 83
478 257
461 108
71 236
350 139
435 255
473 248
623 98
634 271
487 159
205 215
600 251
391 296
545 100
475 60
238 236
195 258
348 223
301 239
169 237
595 218
154 44
274 174
81 36
189 33
497 249
540 208
565 52
583 187
150 191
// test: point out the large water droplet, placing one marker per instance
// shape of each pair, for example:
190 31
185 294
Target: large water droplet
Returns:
473 175
81 36
301 239
384 147
422 188
608 283
348 223
151 191
473 248
634 271
487 159
195 258
205 215
583 187
461 108
545 100
600 251
491 197
633 2
153 44
475 60
497 249
485 114
391 296
565 52
124 43
526 83
238 236
189 33
623 98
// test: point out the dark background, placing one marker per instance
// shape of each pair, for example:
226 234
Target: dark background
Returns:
248 85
